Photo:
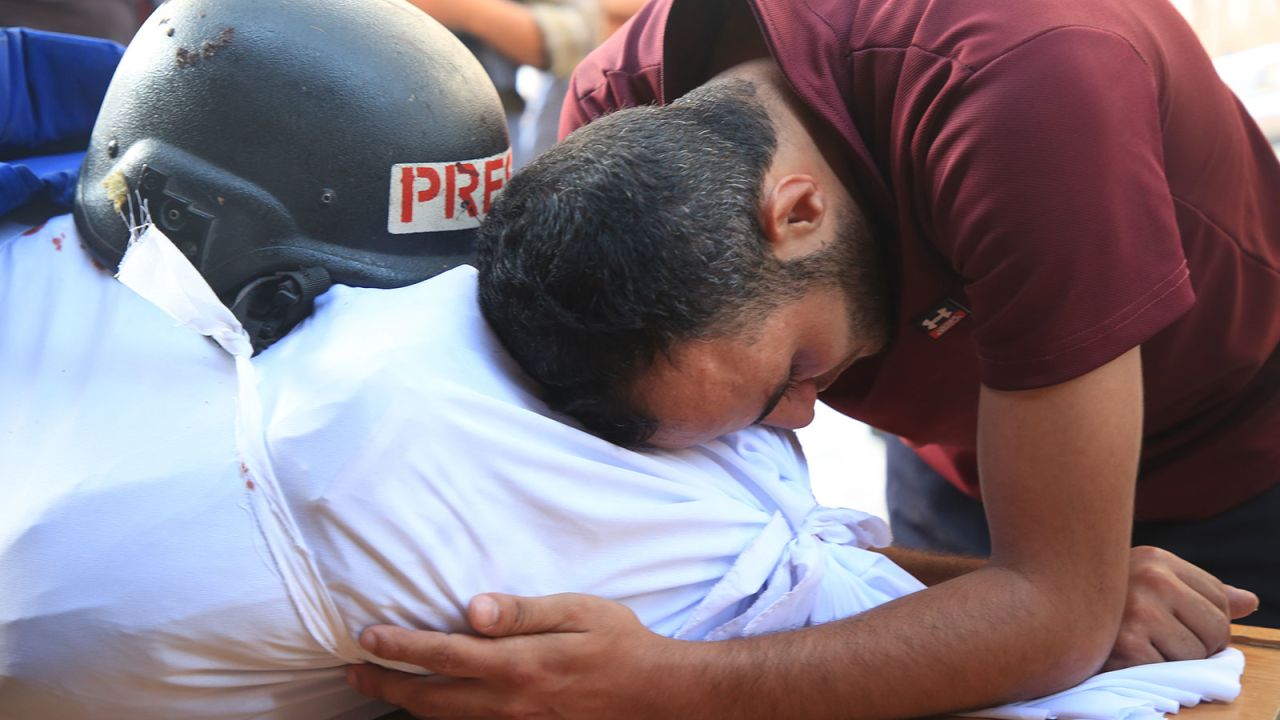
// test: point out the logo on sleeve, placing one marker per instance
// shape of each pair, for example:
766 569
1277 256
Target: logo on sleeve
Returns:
433 197
942 318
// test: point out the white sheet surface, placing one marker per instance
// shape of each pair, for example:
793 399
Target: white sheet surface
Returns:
1145 692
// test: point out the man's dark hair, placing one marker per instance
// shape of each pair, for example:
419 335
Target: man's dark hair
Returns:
639 231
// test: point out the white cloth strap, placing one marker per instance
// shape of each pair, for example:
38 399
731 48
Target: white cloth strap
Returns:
155 269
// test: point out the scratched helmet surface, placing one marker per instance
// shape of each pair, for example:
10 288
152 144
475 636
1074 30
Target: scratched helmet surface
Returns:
353 138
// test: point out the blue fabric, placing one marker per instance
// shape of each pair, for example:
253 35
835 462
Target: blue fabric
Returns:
52 85
23 181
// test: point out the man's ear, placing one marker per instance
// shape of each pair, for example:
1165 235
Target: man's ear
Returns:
793 210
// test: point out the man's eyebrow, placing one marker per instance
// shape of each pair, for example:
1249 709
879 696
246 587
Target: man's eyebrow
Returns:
774 399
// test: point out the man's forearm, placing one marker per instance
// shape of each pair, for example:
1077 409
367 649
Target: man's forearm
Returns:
988 637
931 568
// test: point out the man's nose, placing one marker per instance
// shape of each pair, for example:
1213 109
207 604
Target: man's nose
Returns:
796 408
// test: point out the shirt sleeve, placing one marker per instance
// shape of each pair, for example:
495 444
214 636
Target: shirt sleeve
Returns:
1047 194
573 113
624 71
590 96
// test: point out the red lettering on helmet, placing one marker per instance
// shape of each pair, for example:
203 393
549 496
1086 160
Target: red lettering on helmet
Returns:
425 197
465 192
407 175
493 184
450 188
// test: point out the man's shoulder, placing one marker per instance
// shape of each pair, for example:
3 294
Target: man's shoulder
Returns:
623 71
975 33
970 33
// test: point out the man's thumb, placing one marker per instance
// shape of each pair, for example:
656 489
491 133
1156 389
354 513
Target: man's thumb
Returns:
1241 602
499 615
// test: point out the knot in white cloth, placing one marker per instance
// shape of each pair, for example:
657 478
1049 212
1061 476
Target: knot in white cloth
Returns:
792 577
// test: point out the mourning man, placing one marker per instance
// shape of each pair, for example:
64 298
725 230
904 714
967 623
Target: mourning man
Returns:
1040 242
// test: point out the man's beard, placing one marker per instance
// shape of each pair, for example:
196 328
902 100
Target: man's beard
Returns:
854 263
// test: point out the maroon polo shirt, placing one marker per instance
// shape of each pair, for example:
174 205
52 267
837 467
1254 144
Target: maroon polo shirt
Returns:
1058 182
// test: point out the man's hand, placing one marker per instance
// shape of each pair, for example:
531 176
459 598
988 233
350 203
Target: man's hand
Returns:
1174 611
562 656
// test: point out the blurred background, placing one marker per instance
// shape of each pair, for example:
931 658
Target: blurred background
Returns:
112 19
530 48
1243 37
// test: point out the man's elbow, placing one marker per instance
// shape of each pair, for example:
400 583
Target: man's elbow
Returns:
1093 637
1074 628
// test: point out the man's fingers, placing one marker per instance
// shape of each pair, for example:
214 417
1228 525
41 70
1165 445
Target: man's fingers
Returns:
1134 653
1211 588
1242 602
1234 602
1203 612
1183 642
498 615
433 696
388 685
1207 623
453 655
558 656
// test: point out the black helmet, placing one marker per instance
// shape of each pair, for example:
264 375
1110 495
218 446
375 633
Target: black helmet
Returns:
279 143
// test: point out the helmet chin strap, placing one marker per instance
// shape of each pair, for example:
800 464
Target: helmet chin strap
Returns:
271 305
268 307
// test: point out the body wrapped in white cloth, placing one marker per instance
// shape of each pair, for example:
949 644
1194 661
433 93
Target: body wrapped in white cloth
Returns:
154 566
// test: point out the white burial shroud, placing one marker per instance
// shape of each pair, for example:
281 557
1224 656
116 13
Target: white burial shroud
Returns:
189 532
